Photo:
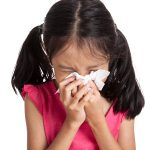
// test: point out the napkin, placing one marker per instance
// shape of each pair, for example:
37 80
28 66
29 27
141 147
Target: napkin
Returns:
96 76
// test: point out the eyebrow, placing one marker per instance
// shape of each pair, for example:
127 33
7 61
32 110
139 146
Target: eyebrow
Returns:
67 67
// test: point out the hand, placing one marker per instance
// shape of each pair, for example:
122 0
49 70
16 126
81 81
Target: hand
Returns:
94 106
73 107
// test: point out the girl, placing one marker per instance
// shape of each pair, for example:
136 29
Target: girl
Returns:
77 36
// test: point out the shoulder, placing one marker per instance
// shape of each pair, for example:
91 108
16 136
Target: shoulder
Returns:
38 105
38 94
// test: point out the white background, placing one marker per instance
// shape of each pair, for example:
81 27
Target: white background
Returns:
19 17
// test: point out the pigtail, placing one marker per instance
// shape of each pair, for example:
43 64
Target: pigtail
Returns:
122 85
32 66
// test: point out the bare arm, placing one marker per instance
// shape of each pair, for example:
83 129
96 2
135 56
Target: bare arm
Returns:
36 139
126 135
65 137
106 141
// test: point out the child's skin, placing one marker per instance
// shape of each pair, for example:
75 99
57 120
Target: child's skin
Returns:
81 62
81 105
78 108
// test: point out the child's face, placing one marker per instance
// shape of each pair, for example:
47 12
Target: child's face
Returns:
83 62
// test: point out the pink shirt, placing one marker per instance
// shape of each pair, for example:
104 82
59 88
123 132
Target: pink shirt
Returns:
51 108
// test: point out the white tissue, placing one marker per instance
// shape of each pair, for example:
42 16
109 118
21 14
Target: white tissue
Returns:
96 76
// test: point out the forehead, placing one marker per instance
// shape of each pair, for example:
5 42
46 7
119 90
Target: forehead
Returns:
74 55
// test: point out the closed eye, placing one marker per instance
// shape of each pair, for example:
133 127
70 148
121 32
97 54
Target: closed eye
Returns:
70 71
93 70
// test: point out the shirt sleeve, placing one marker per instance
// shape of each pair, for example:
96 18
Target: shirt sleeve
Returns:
33 92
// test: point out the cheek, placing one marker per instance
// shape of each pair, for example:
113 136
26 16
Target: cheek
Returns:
60 76
106 67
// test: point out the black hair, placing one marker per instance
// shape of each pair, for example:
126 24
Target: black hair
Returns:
82 22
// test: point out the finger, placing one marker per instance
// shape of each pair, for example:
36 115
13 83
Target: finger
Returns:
93 85
80 94
80 86
66 82
71 86
74 91
82 103
87 97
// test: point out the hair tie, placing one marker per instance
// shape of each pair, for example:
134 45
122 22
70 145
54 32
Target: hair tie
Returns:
40 28
115 26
